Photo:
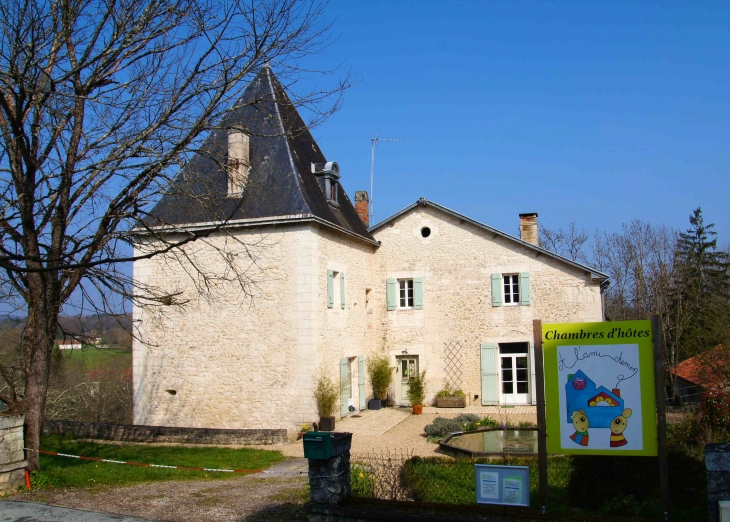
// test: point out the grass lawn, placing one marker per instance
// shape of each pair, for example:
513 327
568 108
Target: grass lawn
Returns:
68 472
95 358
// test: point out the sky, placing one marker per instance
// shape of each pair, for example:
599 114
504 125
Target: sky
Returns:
593 112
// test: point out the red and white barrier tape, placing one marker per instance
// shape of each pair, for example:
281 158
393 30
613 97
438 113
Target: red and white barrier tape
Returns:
141 464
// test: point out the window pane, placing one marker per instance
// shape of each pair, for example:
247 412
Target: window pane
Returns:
507 387
521 387
506 362
507 376
522 362
410 301
522 375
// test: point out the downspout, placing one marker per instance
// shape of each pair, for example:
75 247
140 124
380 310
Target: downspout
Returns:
604 287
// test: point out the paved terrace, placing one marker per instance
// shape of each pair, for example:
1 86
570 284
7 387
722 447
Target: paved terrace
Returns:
398 430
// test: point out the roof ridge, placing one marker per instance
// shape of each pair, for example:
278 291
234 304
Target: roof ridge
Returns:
294 172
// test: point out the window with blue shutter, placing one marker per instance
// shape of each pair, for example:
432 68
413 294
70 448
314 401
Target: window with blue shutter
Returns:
330 289
391 294
532 374
342 290
345 386
418 293
490 378
496 289
361 381
525 288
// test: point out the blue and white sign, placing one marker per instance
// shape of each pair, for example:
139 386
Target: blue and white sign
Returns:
505 485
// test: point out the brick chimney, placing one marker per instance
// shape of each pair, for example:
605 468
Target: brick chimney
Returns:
528 228
361 206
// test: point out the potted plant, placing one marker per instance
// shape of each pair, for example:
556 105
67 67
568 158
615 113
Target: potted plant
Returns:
326 395
448 399
416 393
381 376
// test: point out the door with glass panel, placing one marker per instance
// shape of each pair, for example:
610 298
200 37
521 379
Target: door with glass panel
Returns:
406 368
514 373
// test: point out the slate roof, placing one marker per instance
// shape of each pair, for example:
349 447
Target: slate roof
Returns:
280 183
595 274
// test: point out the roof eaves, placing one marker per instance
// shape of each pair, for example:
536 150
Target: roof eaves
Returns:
595 274
251 222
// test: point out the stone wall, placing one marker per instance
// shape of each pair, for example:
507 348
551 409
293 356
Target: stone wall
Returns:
12 455
456 262
232 356
137 433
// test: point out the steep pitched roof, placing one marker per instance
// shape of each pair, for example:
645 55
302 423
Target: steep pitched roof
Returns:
595 274
280 182
705 370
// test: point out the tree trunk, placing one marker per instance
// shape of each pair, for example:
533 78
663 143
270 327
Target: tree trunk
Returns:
37 345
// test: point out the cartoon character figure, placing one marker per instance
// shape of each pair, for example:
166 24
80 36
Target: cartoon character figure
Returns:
618 425
580 422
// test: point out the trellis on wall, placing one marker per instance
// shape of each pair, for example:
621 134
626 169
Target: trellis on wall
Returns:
452 365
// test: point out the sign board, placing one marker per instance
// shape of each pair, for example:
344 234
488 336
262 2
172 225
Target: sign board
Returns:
599 388
505 485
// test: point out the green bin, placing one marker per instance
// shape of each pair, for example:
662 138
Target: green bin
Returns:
318 445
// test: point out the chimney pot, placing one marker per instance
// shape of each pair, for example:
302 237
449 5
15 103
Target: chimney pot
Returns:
528 228
361 206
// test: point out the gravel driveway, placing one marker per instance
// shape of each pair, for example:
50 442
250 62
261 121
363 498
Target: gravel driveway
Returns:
276 495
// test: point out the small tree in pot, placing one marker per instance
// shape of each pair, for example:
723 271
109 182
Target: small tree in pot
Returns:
381 376
326 396
416 393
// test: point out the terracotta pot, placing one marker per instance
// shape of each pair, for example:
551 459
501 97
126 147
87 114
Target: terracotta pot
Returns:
417 409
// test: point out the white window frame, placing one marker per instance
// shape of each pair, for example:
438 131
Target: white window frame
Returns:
511 298
403 285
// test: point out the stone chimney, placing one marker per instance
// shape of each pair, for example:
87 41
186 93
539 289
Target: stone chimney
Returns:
238 162
528 228
361 206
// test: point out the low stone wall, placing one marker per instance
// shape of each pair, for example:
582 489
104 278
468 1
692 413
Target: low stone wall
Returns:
12 456
139 433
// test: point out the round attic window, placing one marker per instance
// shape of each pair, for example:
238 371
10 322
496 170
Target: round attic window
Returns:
425 232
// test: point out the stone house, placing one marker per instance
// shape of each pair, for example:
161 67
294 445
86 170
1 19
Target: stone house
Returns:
298 283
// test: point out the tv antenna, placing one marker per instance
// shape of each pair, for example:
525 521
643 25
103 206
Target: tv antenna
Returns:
375 141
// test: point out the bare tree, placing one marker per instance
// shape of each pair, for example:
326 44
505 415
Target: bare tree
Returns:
567 243
101 104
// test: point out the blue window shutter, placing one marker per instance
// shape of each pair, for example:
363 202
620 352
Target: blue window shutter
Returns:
525 288
342 290
344 386
496 289
418 293
330 289
532 374
490 378
361 381
391 294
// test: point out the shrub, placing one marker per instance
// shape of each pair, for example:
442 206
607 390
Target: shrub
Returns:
443 394
325 395
381 375
441 426
459 393
416 393
362 481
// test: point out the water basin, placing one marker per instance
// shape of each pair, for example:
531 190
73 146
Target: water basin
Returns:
491 441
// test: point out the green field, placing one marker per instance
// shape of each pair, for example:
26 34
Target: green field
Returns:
95 358
70 472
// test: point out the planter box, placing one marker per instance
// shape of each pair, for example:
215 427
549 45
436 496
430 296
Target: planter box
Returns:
374 404
451 402
326 424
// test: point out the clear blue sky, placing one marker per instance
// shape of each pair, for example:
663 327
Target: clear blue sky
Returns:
598 112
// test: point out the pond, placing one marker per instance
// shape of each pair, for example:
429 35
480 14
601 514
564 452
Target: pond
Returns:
490 442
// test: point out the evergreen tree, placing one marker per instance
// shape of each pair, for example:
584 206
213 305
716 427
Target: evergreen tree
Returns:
700 305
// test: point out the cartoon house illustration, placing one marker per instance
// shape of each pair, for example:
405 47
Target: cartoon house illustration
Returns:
329 289
600 404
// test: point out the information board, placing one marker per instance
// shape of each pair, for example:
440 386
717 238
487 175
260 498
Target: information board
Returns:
599 388
506 485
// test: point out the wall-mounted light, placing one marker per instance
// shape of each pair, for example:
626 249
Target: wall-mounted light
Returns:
405 352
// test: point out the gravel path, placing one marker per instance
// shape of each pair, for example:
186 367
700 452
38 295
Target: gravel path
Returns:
405 436
276 496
